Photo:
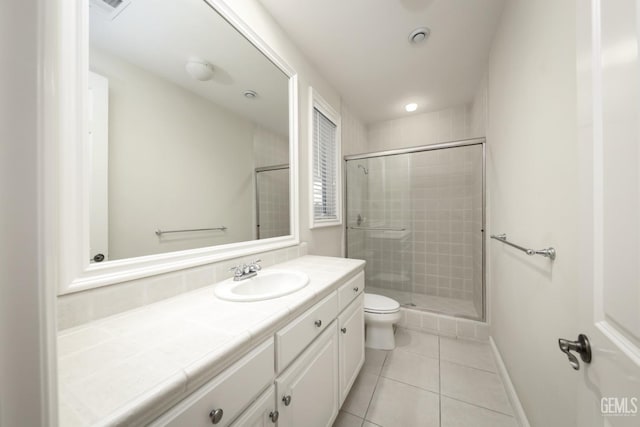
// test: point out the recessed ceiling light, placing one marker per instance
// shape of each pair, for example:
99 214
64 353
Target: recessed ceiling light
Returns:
411 107
250 94
419 35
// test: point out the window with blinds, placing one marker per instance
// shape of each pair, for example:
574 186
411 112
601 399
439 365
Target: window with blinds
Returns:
325 168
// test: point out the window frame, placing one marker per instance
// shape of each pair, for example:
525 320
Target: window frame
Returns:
317 102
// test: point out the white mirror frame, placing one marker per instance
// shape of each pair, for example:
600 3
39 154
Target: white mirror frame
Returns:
65 160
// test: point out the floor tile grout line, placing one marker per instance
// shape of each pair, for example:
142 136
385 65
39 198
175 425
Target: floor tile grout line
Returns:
374 388
410 385
437 357
457 399
471 367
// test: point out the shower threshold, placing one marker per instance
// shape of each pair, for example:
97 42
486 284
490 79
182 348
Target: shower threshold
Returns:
432 303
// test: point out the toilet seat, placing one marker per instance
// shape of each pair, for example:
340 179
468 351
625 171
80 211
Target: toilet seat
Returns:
380 304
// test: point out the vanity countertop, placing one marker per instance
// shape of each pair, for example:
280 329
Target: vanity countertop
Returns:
129 368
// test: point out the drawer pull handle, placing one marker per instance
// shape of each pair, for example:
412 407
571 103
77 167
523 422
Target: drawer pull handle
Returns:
318 323
344 330
286 400
216 415
274 416
356 289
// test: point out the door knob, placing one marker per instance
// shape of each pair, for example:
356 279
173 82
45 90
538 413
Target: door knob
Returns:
581 346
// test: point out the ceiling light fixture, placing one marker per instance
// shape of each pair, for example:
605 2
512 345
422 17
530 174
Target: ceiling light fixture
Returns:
199 69
250 94
419 35
411 107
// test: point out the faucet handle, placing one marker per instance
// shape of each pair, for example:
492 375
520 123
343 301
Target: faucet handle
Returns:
237 271
254 266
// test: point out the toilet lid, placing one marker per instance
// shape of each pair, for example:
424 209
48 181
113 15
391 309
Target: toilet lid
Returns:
374 303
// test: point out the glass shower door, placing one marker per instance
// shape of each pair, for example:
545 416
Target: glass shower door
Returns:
417 218
378 224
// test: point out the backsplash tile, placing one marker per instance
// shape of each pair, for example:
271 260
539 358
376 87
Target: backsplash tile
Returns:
82 307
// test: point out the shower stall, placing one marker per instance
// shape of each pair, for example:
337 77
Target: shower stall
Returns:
417 217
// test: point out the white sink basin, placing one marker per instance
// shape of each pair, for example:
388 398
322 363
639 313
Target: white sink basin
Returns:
266 285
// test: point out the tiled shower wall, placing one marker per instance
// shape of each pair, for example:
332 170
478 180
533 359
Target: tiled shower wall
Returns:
444 223
436 197
390 252
271 149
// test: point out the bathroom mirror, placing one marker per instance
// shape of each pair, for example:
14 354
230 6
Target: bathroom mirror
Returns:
188 129
188 145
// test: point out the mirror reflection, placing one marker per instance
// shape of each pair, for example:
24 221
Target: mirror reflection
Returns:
188 128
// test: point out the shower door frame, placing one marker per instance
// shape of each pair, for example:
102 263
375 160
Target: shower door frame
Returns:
418 149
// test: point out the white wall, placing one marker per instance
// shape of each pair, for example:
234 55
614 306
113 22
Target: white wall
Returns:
354 133
477 110
532 165
445 125
21 348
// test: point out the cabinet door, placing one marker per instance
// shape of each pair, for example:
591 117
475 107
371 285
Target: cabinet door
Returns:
351 344
308 389
262 413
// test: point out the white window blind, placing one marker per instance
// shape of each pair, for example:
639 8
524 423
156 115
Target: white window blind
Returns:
324 183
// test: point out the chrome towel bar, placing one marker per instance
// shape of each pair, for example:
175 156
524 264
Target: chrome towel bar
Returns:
161 232
378 228
548 252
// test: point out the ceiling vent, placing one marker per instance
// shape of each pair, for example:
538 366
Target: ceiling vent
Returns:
109 9
419 35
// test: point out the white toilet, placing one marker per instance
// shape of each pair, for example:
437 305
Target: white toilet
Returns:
380 313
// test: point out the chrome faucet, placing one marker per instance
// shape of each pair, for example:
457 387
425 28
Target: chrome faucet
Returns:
246 271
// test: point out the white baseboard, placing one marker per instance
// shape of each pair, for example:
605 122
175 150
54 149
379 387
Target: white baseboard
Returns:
518 410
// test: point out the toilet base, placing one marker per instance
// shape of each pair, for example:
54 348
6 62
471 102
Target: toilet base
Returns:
379 330
380 337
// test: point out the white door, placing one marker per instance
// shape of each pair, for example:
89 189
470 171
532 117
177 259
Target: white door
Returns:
99 175
609 137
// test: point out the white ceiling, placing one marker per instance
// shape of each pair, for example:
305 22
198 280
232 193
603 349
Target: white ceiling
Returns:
361 47
160 37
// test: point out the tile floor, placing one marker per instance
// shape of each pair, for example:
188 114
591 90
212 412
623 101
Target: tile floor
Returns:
432 303
428 381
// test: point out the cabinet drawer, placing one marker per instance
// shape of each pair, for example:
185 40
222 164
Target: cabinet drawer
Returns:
350 290
231 391
292 339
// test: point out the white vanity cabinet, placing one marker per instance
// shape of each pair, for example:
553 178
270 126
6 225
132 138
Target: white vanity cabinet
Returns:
298 378
308 390
351 344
